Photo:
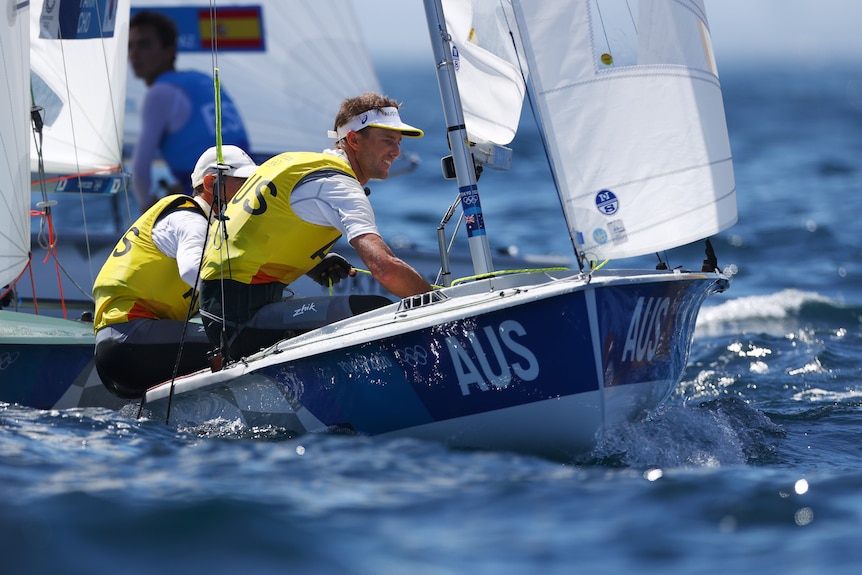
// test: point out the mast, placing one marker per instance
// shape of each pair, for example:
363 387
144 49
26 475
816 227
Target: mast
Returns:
465 171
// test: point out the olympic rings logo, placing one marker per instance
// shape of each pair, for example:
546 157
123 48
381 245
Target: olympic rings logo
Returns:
7 359
413 356
469 198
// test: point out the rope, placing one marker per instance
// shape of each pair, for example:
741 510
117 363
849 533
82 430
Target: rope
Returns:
218 199
506 272
482 276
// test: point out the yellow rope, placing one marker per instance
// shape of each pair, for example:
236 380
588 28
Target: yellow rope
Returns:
505 272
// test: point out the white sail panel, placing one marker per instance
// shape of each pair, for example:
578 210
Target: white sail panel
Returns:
490 82
14 133
631 105
289 92
78 75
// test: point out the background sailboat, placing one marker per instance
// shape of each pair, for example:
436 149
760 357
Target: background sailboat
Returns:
44 362
287 64
78 75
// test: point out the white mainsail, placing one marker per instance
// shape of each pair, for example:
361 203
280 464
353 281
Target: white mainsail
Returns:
632 110
289 92
78 56
14 133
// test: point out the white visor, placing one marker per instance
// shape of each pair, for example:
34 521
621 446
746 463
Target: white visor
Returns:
236 163
386 118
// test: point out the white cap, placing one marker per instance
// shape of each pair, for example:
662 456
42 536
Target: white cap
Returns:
386 118
236 163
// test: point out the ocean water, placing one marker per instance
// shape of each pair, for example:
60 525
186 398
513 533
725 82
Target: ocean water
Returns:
753 466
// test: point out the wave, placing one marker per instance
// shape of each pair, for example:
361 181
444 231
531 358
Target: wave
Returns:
723 431
780 311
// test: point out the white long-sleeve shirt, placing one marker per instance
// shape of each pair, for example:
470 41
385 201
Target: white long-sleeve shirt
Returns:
336 200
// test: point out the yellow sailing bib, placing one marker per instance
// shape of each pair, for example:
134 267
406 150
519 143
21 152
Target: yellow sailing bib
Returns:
266 241
138 280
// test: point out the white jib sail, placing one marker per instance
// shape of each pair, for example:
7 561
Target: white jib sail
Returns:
14 134
490 82
630 102
78 60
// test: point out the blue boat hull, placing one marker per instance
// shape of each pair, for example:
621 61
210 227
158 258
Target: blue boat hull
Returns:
47 363
543 375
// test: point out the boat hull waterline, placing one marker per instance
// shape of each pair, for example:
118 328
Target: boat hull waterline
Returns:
476 370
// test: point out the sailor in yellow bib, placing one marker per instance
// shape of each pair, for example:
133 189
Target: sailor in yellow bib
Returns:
284 221
138 280
145 290
266 241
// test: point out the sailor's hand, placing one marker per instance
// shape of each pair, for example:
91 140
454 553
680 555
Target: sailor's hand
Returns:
333 268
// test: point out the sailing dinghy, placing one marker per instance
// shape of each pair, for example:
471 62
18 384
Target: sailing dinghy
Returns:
47 362
629 102
77 54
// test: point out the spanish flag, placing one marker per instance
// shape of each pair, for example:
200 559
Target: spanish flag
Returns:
236 28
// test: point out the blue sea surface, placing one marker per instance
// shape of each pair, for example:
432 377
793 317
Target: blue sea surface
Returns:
754 465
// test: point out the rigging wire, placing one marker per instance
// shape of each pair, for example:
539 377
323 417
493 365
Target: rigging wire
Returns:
604 27
218 199
632 16
220 234
542 137
118 129
45 206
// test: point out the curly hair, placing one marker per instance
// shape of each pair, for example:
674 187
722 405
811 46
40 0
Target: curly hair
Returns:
352 107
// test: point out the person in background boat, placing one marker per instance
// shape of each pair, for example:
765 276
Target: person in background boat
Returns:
178 114
284 221
145 289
